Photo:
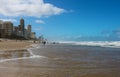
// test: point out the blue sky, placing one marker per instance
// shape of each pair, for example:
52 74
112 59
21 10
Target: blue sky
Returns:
67 19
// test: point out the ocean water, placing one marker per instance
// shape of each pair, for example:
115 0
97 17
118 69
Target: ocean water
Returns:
62 60
111 44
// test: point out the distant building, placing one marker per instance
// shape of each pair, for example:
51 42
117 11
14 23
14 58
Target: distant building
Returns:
29 30
21 26
16 31
2 31
1 23
26 34
8 28
33 35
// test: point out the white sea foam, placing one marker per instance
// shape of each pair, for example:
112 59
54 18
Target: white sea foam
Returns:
35 45
114 44
31 51
32 55
4 60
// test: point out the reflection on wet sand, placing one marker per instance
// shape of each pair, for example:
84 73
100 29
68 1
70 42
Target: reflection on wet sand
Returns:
13 54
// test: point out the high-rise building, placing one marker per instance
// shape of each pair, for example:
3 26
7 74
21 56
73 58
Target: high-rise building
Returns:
29 28
1 29
33 35
16 31
29 31
8 28
21 27
1 23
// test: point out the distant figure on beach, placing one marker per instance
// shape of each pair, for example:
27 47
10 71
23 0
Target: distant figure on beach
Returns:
44 42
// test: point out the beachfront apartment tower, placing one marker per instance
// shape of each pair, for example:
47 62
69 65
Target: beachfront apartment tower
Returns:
21 27
29 28
8 28
29 31
1 23
33 35
1 29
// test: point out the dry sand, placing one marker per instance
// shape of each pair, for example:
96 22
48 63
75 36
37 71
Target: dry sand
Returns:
14 45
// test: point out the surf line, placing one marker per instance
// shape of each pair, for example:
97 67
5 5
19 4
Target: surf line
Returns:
19 58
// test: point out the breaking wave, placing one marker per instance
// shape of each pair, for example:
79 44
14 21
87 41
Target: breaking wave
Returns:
113 44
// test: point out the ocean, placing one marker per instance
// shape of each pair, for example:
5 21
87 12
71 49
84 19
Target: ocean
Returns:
73 59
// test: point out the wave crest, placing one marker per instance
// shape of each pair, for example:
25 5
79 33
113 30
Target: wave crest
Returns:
114 44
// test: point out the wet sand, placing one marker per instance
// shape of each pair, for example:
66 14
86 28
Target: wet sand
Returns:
63 61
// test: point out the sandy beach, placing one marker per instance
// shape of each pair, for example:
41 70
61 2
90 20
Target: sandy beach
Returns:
58 61
6 45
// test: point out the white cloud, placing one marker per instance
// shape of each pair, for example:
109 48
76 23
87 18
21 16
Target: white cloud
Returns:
12 20
37 28
40 21
35 8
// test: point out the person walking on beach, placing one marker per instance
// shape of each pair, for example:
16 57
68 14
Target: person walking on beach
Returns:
44 42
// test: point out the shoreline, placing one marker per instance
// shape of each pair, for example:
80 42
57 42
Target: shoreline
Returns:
12 50
60 61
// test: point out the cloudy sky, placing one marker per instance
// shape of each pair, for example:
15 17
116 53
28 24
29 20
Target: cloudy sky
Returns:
66 19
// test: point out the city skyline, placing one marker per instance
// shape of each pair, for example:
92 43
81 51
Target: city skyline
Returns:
9 30
67 20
